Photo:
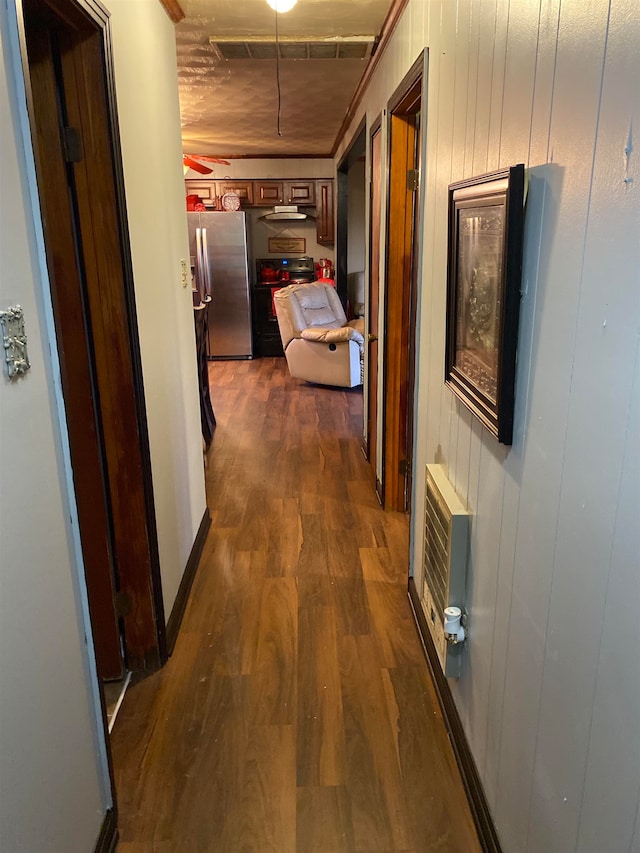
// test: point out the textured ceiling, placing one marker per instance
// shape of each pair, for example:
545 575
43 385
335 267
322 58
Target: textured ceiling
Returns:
229 107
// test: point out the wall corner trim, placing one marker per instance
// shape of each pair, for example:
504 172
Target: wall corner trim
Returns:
108 838
485 827
179 605
173 10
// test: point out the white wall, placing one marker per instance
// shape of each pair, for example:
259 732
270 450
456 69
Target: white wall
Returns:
356 225
261 230
147 92
296 168
357 186
53 791
550 692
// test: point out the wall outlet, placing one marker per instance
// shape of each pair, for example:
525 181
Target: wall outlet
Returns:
184 272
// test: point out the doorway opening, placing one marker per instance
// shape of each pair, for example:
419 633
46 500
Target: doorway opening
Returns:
351 225
66 56
373 302
351 231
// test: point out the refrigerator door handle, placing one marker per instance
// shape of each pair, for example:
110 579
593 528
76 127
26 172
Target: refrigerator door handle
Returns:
199 271
206 265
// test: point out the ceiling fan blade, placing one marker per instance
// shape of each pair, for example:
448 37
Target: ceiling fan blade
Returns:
197 167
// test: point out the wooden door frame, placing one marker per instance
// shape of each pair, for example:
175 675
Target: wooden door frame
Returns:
77 370
371 441
141 604
400 292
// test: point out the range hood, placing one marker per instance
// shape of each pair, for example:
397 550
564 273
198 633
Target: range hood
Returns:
286 212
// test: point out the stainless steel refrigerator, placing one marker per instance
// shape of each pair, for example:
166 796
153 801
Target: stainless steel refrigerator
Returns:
219 257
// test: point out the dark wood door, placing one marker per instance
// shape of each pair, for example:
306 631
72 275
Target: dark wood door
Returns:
95 329
400 291
78 373
374 302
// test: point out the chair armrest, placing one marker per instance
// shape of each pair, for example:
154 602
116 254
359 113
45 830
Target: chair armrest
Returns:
329 336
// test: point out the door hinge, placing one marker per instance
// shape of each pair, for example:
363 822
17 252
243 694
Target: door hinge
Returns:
413 180
72 144
122 602
403 467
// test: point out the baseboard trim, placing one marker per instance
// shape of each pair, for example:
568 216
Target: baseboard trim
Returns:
485 826
108 838
179 605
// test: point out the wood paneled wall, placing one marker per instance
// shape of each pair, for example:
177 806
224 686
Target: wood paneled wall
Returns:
550 693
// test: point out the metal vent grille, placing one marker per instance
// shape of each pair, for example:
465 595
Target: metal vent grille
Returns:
446 536
291 48
436 552
352 50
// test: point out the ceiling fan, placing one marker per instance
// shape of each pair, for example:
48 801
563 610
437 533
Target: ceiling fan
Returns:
191 161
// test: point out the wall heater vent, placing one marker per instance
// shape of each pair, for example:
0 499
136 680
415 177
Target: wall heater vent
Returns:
446 543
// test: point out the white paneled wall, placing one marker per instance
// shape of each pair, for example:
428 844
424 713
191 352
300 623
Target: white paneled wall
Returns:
550 690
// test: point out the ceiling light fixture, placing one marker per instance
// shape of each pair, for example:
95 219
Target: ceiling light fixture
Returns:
282 5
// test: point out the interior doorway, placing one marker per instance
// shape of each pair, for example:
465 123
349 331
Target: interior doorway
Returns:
404 146
351 225
373 302
65 48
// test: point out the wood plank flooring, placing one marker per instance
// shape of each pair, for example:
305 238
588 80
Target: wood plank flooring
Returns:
296 713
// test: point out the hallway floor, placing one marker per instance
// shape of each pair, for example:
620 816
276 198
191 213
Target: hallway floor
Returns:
297 712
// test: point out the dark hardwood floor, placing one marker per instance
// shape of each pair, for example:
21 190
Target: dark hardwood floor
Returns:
297 712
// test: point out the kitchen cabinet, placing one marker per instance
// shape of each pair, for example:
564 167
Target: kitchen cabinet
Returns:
267 193
325 222
206 190
302 193
243 189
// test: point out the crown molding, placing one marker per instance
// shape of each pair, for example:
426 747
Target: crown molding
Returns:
393 16
173 10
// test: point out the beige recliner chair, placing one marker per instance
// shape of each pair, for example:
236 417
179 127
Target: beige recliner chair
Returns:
319 345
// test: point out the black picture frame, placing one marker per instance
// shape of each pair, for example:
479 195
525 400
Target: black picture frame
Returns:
484 270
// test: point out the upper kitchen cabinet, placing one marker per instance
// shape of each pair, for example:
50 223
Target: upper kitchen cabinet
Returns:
324 212
243 189
302 193
266 193
205 190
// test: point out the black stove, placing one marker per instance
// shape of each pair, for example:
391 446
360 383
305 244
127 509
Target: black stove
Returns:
281 271
271 275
